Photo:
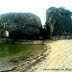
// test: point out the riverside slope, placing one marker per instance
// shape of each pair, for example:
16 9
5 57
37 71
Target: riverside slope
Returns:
59 59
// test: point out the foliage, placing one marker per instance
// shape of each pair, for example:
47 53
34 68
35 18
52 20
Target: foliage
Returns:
21 25
59 21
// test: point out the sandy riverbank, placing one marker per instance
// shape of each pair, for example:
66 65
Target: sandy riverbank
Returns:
38 58
57 59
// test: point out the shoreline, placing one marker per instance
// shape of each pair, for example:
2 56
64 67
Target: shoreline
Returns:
27 63
35 42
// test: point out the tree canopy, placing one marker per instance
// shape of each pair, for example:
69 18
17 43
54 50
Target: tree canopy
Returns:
59 20
21 25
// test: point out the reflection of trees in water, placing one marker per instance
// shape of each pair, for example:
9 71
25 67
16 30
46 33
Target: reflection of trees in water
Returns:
8 49
19 49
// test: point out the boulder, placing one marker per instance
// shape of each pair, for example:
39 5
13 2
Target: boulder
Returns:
21 25
59 21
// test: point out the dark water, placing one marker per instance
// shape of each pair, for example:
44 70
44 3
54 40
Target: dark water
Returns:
16 52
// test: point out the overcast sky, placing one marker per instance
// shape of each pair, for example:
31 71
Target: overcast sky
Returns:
37 7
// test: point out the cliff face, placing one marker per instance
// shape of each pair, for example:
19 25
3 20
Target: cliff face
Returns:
20 25
59 21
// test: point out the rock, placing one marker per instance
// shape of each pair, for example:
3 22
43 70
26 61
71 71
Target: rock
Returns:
5 34
58 20
21 25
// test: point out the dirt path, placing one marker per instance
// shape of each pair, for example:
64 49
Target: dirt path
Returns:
58 60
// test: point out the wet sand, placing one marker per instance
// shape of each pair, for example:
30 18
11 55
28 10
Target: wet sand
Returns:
57 58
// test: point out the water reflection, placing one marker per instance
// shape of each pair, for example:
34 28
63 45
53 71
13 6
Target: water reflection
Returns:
18 49
9 49
12 53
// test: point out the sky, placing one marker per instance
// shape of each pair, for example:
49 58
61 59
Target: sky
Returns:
37 7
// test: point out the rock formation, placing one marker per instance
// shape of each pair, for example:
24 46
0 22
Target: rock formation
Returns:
21 25
59 21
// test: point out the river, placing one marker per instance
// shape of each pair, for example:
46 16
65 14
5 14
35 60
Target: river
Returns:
12 55
57 58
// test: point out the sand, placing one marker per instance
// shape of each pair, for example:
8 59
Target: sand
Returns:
57 58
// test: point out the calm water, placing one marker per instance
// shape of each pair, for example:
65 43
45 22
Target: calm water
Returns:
16 52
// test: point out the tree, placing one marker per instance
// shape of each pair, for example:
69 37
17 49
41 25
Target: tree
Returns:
21 25
59 21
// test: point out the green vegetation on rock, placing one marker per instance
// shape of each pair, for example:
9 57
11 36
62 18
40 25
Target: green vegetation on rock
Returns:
28 26
20 25
58 22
